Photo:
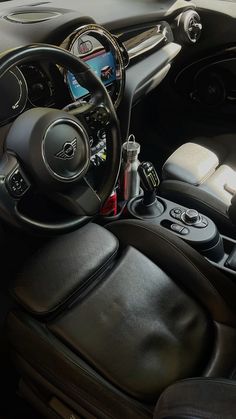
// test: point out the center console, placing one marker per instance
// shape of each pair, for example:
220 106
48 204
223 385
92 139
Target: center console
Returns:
199 231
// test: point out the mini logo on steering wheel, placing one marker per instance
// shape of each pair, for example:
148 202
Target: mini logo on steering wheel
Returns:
68 150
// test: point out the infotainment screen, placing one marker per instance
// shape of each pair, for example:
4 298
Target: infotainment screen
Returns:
103 64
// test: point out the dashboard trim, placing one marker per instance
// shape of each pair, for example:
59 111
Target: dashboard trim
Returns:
139 42
142 49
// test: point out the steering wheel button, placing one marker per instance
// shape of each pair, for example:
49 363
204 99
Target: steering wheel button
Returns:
17 185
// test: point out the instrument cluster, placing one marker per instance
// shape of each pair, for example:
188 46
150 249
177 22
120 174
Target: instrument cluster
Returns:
22 88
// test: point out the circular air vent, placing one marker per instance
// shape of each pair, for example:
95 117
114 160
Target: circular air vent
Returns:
189 27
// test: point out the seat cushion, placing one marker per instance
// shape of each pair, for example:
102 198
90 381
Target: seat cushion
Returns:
190 163
221 184
159 312
197 165
222 145
132 330
198 399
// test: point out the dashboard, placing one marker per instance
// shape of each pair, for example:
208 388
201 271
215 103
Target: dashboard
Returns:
39 84
185 48
129 47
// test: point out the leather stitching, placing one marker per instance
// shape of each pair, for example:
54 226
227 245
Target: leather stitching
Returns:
73 294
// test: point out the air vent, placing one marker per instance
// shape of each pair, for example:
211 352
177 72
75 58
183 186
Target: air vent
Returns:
189 27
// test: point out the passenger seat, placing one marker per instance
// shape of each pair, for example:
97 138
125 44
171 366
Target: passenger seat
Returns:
198 177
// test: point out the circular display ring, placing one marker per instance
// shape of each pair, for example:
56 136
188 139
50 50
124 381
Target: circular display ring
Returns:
101 51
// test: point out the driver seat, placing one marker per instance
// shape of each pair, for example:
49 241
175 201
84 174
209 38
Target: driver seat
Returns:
108 318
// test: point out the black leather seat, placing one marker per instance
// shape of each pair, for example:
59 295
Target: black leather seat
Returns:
201 174
108 318
198 399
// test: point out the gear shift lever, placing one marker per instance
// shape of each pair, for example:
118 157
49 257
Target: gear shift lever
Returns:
147 206
150 182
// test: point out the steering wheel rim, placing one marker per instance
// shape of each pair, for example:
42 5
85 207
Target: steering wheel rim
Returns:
14 148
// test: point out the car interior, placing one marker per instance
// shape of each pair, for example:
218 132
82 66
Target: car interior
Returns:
118 209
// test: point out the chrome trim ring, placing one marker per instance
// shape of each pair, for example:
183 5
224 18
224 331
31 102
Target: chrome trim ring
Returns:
108 38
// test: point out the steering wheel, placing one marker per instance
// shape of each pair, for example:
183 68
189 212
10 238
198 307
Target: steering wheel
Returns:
48 149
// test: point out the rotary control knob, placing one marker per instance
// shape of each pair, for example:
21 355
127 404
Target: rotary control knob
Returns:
191 216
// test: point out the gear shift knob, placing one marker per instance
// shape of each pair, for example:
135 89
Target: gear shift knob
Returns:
148 175
147 206
149 180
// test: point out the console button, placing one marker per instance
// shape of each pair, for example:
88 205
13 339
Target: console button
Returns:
185 231
204 221
176 227
202 224
176 213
